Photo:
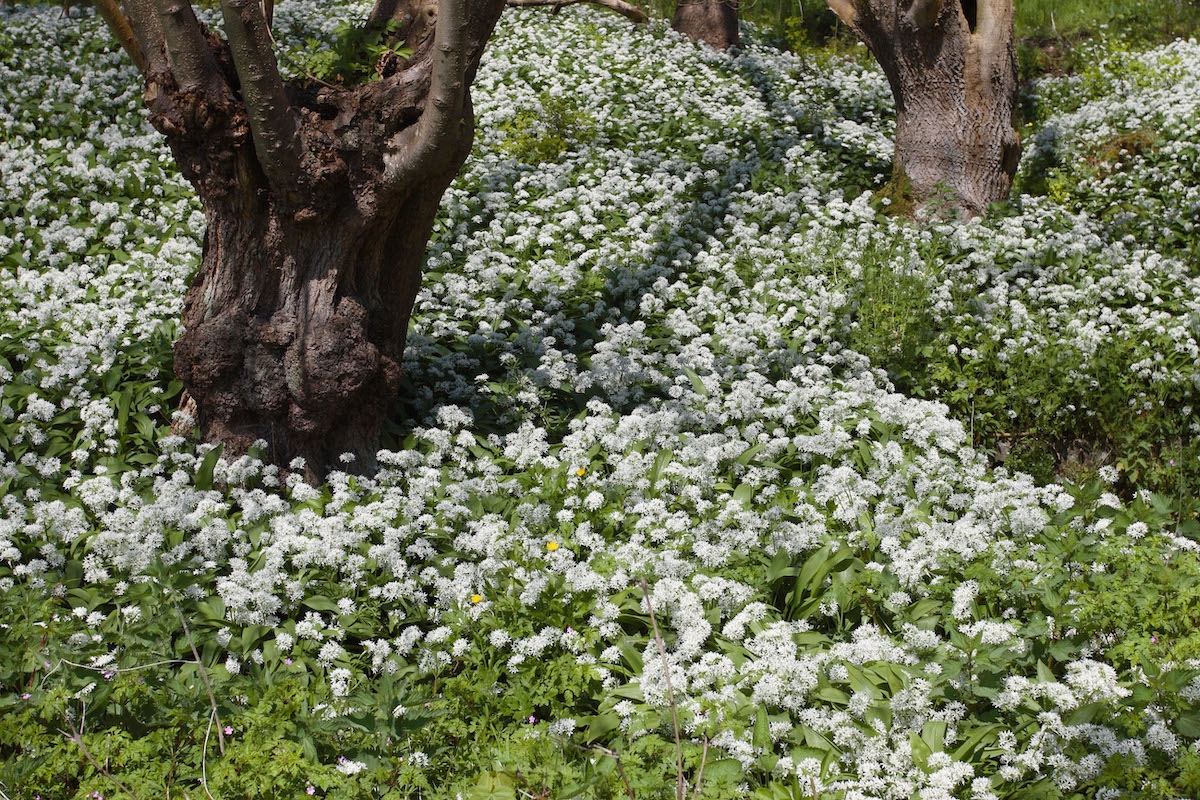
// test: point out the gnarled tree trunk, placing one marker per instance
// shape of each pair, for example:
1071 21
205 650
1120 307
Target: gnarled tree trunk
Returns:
319 201
952 68
714 22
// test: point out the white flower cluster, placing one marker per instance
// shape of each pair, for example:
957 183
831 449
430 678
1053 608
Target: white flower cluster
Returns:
682 269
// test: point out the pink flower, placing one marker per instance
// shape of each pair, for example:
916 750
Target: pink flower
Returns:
229 730
311 790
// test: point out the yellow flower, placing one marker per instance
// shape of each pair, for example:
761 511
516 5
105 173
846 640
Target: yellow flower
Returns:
581 472
476 598
551 546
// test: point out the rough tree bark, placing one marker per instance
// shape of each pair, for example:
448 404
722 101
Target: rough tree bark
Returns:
714 22
952 69
319 201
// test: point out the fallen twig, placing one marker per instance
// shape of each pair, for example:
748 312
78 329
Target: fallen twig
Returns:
624 9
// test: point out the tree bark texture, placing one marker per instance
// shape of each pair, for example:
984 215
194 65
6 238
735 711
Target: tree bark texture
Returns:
319 201
952 69
714 22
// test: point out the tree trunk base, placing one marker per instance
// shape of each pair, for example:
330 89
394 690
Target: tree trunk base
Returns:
952 68
714 22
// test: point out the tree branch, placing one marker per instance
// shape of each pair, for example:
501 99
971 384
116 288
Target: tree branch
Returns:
119 25
620 6
995 19
844 10
267 106
143 19
412 147
192 61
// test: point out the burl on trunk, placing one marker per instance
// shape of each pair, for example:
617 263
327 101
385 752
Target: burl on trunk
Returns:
952 69
319 201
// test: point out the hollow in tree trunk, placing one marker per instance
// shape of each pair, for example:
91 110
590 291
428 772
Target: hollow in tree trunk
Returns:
952 69
319 201
714 22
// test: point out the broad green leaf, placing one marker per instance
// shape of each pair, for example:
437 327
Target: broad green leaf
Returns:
749 453
981 736
781 566
602 724
933 733
1189 725
494 786
762 729
660 462
697 384
920 750
321 603
725 770
204 475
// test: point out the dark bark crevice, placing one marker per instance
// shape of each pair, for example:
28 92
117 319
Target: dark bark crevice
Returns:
968 9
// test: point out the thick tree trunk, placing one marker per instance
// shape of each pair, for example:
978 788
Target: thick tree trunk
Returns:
295 328
319 202
714 22
952 68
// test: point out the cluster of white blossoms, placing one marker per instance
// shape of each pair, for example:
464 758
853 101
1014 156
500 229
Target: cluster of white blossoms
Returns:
681 271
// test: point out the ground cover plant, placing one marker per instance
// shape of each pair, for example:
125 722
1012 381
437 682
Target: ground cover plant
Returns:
709 443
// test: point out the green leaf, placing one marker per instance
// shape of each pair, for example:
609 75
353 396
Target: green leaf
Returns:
321 603
933 733
811 566
631 656
660 462
725 770
798 754
983 735
145 426
762 729
749 453
1084 714
920 750
494 786
697 384
781 567
1177 679
600 725
124 399
926 607
832 694
212 609
630 691
204 475
1189 725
